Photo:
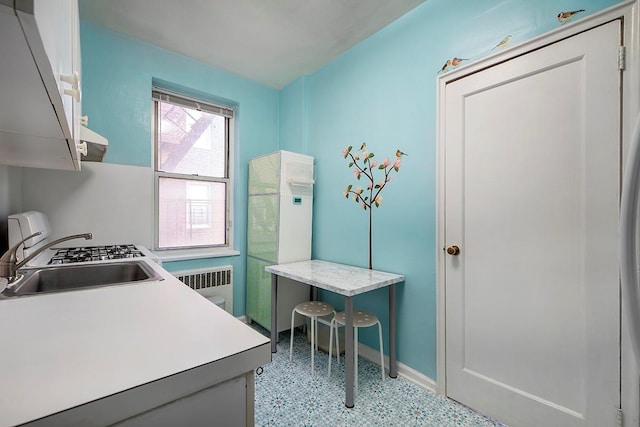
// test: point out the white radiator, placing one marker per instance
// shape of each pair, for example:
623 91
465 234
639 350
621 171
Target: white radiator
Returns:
208 282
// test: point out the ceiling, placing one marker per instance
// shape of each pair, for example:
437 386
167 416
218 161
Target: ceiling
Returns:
269 41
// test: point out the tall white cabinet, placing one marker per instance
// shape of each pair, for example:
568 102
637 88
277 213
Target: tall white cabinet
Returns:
279 231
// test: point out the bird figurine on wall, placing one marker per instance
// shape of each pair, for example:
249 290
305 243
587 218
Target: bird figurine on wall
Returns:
451 63
400 153
445 67
456 61
505 41
564 17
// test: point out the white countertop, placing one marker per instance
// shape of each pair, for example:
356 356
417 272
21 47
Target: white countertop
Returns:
61 350
339 278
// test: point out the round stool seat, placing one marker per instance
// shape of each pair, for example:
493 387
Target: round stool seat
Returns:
361 319
314 309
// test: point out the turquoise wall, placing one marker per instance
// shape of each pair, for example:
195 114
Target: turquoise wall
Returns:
117 77
383 91
293 123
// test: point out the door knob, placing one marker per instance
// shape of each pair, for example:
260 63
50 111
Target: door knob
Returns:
453 250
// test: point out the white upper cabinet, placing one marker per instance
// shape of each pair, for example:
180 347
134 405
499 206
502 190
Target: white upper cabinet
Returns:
57 23
40 84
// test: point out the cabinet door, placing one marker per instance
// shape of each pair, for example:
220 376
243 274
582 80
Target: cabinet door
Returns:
51 28
294 229
57 24
34 131
258 299
258 303
76 64
264 174
29 112
221 405
262 227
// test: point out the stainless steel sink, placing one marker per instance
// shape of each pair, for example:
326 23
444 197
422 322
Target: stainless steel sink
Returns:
73 277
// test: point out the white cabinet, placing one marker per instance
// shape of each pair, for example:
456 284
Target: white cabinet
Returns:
207 395
226 404
40 83
280 209
58 25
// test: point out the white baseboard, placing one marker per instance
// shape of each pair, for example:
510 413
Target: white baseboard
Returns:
405 371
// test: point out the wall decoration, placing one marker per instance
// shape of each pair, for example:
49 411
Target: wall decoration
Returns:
503 44
456 61
451 63
564 17
368 168
445 67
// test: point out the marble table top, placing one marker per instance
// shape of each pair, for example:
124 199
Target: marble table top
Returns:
339 278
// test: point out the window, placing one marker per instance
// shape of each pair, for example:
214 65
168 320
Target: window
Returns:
192 157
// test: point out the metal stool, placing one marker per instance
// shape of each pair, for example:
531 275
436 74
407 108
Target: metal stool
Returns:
361 319
312 310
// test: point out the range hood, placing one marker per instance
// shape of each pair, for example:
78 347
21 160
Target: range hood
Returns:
96 145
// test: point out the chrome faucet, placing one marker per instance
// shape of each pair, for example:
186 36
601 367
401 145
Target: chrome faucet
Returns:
8 261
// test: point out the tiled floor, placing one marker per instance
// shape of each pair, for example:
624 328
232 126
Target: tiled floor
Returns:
287 395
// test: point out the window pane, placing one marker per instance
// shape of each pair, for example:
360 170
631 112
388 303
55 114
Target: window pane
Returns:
190 141
191 213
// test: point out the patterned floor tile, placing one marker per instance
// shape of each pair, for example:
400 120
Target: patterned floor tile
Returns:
287 395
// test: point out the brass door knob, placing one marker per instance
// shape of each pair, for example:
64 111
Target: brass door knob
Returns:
453 250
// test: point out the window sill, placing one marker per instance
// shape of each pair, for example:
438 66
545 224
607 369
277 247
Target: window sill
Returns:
185 254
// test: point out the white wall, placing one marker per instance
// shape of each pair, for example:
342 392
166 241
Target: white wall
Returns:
10 199
114 202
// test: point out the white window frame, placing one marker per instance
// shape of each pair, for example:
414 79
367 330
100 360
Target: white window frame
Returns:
192 252
195 221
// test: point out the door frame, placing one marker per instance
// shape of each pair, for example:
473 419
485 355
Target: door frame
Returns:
629 12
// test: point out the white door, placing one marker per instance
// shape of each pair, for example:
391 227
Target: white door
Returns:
532 153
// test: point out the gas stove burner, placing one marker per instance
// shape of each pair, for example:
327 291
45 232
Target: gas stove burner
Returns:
95 253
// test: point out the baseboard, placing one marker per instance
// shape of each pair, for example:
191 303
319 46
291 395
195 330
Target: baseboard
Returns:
372 355
405 371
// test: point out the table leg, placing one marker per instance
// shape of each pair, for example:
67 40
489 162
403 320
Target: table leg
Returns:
274 313
348 351
393 365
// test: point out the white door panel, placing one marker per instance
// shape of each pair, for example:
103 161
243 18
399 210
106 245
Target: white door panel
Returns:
531 197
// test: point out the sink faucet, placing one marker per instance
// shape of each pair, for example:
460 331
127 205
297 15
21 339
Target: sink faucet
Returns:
8 261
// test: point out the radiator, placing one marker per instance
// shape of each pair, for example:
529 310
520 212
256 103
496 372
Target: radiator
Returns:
216 281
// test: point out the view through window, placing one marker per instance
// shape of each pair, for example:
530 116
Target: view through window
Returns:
192 156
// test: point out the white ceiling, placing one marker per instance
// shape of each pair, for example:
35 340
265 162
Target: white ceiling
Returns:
269 41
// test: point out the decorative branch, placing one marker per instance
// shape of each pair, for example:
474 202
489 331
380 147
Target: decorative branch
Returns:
367 169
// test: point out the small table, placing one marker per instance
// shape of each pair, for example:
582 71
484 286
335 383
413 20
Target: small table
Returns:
344 280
